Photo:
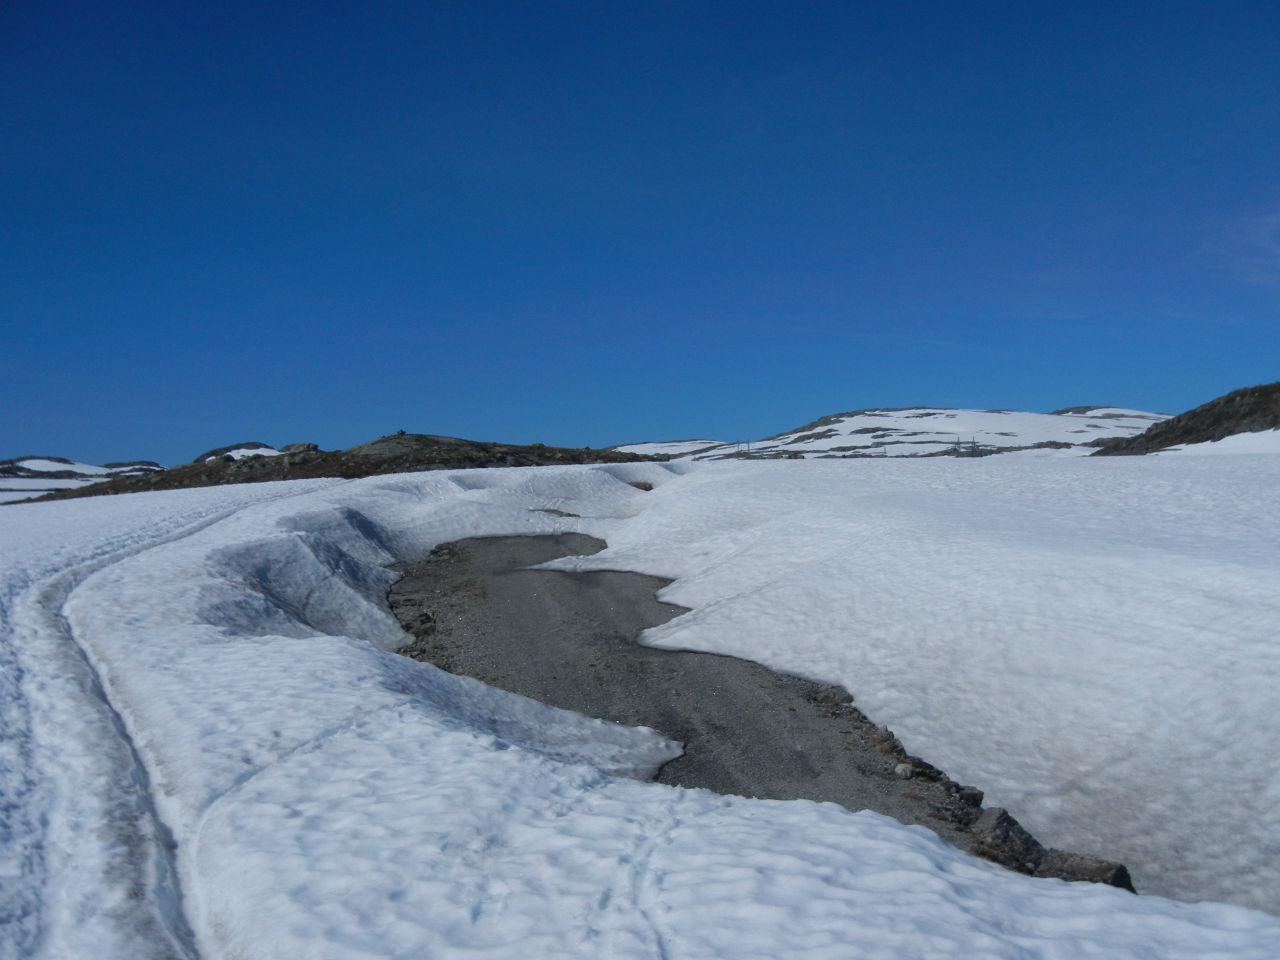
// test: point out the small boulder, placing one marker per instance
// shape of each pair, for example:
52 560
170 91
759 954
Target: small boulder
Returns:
1000 838
1075 866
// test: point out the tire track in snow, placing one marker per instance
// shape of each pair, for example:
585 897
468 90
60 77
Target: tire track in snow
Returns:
143 855
21 854
99 831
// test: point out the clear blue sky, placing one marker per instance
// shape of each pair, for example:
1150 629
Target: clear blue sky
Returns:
592 223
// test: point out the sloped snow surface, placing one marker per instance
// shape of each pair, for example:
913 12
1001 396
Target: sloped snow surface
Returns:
1262 441
212 753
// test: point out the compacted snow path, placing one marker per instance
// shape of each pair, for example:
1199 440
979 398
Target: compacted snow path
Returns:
87 864
206 731
108 792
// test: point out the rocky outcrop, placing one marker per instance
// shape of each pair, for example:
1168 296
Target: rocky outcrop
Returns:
1242 411
997 836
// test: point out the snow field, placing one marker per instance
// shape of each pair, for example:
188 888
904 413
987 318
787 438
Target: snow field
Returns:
329 798
1263 441
1091 642
20 488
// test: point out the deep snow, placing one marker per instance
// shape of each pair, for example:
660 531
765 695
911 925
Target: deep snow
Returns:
1088 640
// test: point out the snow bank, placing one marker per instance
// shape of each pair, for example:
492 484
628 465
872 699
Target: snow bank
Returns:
1091 644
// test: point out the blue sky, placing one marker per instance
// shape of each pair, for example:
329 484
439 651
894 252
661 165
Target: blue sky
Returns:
593 223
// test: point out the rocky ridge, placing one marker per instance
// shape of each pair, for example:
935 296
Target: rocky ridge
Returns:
1248 410
396 453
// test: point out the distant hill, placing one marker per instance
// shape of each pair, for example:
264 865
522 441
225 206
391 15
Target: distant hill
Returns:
24 478
924 432
881 432
398 453
1249 410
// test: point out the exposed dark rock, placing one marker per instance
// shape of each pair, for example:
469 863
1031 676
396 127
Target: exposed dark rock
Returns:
814 435
402 444
834 418
1074 866
998 836
1242 411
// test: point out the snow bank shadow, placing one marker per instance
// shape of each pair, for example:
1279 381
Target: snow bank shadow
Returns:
324 577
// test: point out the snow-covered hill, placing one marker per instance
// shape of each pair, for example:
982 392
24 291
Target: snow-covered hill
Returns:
239 451
25 477
209 752
926 431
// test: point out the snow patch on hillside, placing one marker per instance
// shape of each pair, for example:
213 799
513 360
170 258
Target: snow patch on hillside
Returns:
672 448
928 431
26 477
240 453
